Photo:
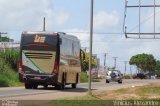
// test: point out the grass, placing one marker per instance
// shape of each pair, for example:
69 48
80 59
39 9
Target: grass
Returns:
154 90
107 98
80 101
10 57
83 77
8 68
8 77
147 92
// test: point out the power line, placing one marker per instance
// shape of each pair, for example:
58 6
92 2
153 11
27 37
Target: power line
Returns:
99 33
105 60
140 22
125 67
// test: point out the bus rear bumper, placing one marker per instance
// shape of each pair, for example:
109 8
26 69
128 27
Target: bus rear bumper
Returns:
39 80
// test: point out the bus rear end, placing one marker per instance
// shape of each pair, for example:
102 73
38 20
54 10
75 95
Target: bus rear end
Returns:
38 63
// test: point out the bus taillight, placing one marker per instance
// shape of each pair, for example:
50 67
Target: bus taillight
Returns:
55 70
21 70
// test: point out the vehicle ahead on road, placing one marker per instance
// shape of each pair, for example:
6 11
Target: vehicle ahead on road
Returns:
139 76
114 76
49 59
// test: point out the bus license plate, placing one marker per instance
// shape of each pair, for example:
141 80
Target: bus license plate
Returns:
37 77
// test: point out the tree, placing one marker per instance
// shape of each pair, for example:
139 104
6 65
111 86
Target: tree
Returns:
157 69
85 63
6 39
145 62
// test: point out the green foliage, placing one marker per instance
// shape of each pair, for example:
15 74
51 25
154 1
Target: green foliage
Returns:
157 69
83 77
10 57
85 63
127 77
9 78
84 102
8 68
111 68
5 39
7 75
148 90
145 62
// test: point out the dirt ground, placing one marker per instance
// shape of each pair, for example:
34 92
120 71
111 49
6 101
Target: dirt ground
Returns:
128 93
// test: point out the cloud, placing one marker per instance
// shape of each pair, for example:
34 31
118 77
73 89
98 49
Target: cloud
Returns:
28 15
99 46
150 22
80 33
104 20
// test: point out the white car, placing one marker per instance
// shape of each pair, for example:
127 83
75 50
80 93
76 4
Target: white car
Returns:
114 76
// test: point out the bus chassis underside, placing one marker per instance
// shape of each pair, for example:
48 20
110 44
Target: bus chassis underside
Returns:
32 81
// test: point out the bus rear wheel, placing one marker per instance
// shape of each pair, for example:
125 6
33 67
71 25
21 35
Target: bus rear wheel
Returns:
35 86
28 86
45 86
74 85
59 87
63 81
63 86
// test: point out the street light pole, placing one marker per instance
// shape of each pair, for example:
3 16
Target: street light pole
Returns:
105 61
91 37
115 60
44 24
125 67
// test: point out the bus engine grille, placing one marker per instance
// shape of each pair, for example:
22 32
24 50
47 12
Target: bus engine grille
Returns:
39 55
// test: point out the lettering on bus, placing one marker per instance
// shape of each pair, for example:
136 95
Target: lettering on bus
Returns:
39 39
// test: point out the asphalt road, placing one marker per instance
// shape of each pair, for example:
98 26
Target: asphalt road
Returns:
81 88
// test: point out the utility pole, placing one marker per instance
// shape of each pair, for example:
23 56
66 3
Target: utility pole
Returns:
131 72
105 60
115 60
85 49
44 24
125 67
91 38
98 64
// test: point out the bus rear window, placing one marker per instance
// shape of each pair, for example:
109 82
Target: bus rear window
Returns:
39 42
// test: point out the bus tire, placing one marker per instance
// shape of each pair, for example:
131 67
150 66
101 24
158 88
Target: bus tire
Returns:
57 87
74 85
28 86
62 87
35 86
45 86
63 81
77 78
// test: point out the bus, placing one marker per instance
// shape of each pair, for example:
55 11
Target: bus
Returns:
49 58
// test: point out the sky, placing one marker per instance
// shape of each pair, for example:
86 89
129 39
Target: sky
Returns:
73 17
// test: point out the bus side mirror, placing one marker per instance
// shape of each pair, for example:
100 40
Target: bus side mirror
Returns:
60 41
82 53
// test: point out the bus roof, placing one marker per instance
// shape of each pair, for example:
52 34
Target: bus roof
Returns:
62 34
39 32
68 36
